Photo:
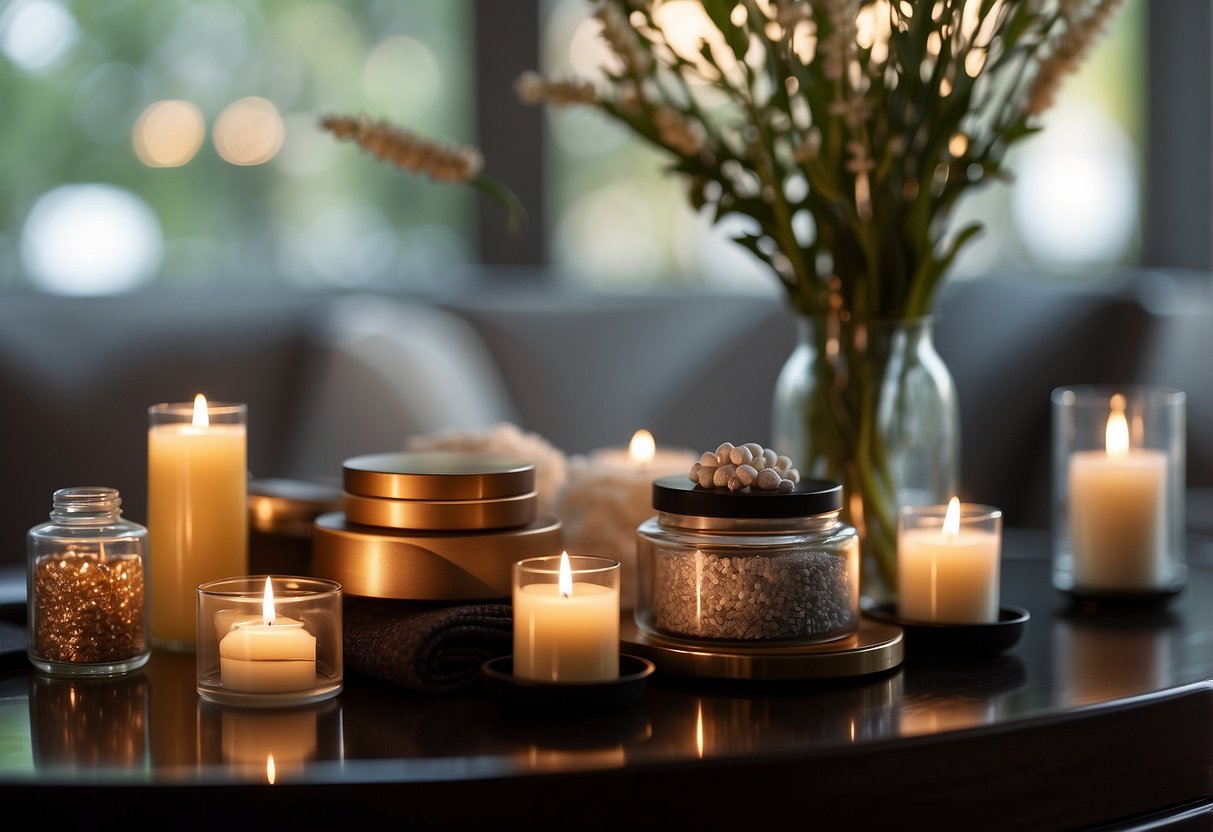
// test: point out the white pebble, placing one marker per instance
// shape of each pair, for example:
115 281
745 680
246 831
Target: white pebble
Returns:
705 476
723 474
786 487
768 479
741 455
768 458
735 483
793 474
755 449
724 452
708 460
694 475
747 474
783 463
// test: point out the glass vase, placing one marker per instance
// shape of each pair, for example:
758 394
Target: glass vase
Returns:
871 405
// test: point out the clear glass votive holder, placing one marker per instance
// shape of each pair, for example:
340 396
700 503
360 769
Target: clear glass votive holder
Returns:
566 619
269 641
948 564
1118 490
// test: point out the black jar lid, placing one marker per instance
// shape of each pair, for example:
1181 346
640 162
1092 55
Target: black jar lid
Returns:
678 495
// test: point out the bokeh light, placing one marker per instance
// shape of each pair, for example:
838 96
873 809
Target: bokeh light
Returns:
35 34
91 239
168 133
249 132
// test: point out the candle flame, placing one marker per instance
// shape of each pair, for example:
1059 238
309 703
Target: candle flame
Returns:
202 416
642 449
271 772
566 576
951 520
267 605
1117 435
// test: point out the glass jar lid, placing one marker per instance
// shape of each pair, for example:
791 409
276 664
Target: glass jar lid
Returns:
676 494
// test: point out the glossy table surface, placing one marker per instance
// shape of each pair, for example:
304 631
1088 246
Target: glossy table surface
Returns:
1120 703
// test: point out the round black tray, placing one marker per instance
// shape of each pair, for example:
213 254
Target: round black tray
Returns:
938 640
634 673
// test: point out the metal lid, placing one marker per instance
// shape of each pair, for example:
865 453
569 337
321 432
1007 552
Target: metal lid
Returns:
438 475
443 515
427 566
288 506
678 495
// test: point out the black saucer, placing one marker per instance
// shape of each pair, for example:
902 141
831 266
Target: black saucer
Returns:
937 640
634 673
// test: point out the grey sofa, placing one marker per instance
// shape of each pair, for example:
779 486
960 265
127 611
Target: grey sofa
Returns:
327 376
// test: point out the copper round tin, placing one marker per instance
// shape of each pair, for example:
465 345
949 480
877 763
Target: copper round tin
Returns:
437 475
427 566
442 515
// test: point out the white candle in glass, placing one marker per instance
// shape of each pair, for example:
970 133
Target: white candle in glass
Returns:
566 631
948 573
273 655
1118 512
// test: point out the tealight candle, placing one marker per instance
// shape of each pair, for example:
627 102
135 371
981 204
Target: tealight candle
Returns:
269 640
566 619
1118 479
610 493
948 563
197 480
273 655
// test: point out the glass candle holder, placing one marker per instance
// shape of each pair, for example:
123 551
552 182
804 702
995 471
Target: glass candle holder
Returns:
197 509
269 641
948 562
566 619
1118 490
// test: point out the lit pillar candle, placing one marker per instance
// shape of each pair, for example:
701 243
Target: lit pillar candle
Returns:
197 472
274 655
948 572
1118 512
610 493
567 631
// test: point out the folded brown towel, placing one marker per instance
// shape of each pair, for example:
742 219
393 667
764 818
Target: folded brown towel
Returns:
424 647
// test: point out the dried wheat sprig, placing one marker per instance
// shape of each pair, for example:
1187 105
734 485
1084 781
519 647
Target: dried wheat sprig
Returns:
1072 47
441 162
405 149
533 88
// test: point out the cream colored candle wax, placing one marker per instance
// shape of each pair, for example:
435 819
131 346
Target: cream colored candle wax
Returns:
566 631
948 573
197 511
1118 513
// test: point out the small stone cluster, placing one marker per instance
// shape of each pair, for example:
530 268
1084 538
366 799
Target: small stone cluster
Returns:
738 467
804 595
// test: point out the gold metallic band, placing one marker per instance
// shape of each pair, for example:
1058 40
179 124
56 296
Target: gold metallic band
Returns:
437 475
427 566
875 647
443 515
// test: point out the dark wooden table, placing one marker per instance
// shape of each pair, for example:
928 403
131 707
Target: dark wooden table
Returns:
1090 722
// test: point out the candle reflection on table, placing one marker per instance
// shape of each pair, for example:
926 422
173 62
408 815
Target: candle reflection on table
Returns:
1102 658
250 739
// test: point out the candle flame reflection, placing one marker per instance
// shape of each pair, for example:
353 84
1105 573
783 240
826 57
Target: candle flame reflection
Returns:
271 771
643 448
1116 436
267 605
202 417
951 520
699 730
566 576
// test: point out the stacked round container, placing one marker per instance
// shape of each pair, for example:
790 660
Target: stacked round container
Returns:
433 526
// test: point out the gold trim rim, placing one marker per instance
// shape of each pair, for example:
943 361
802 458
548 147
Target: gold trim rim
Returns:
437 475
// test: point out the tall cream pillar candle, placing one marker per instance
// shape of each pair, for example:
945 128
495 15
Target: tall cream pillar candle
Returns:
197 507
1118 513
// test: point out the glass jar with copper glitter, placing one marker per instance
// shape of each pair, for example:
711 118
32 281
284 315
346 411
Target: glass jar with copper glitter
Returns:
87 587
